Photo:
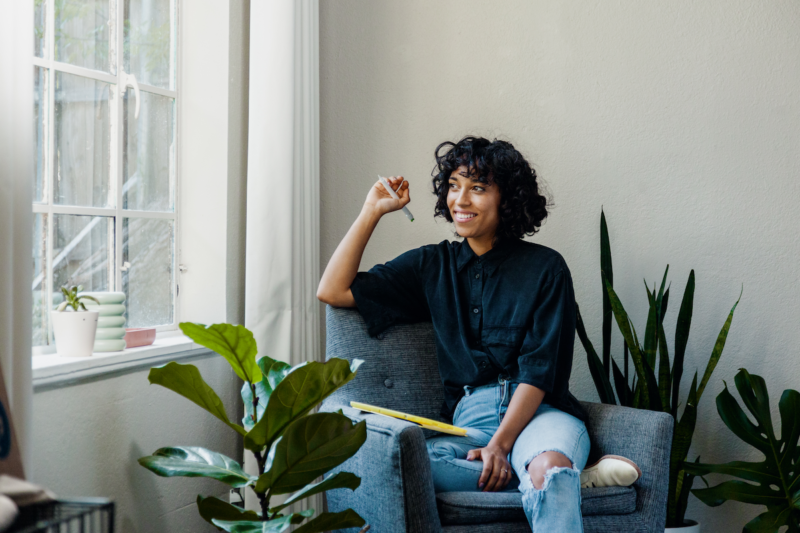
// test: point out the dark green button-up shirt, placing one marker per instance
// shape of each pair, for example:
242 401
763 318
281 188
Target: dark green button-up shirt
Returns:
509 312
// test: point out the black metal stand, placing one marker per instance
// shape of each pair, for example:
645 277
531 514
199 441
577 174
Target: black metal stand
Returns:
86 515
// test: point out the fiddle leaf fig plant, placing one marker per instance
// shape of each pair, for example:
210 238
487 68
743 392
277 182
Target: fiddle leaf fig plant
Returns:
773 482
74 300
292 446
655 381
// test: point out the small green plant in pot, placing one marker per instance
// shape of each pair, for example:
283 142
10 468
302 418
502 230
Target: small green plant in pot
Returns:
773 482
74 330
292 448
656 384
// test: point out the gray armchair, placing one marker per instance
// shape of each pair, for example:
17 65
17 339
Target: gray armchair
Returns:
396 492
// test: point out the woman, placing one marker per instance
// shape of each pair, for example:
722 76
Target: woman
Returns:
503 313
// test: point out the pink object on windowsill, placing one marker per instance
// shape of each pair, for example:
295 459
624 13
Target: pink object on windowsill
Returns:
139 337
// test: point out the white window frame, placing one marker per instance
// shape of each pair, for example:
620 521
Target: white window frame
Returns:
121 82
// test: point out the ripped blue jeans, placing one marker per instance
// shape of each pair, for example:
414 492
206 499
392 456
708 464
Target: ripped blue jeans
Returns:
557 506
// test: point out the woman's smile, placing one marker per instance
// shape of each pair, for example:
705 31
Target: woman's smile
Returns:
464 216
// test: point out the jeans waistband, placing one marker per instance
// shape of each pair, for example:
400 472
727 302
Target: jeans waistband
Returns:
501 379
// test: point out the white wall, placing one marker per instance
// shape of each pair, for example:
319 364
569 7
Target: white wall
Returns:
681 118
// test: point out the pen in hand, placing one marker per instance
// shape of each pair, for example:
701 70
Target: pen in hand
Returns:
394 195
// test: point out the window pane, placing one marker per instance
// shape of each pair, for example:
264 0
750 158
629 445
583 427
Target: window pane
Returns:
149 41
82 253
40 105
148 153
40 310
82 141
147 246
85 33
39 25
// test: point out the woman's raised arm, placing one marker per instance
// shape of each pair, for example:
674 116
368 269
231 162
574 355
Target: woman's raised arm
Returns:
334 287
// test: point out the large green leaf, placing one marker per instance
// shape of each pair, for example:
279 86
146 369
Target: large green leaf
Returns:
332 521
340 480
607 270
196 462
310 447
772 482
187 381
275 525
717 352
601 381
681 338
211 508
274 371
235 343
296 395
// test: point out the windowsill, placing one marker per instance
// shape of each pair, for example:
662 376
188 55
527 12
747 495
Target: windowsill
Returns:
54 371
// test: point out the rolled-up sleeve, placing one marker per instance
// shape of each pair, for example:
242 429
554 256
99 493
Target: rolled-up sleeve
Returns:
393 292
546 350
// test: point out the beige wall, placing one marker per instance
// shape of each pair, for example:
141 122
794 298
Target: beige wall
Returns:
681 118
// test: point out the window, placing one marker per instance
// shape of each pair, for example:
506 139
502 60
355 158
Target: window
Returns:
105 181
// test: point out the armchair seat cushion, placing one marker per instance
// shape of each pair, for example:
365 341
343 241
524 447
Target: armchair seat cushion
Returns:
488 507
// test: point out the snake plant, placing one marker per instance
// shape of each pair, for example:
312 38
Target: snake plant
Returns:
773 482
292 448
655 385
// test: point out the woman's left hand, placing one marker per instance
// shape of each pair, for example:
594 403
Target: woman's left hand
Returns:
496 469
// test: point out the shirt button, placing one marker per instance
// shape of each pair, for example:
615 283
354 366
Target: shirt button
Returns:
483 364
477 276
476 311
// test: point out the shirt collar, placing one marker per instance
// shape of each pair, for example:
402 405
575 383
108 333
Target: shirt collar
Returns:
490 260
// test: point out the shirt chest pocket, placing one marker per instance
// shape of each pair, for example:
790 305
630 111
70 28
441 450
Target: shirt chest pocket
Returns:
504 342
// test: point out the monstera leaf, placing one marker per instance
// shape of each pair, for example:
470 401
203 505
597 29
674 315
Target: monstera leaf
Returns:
196 462
298 392
772 482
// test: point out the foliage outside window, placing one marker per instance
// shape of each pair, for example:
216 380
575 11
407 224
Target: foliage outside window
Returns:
105 115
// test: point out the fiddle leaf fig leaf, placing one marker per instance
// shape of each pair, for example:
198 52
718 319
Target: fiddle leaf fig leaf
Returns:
340 480
276 525
332 521
235 343
310 447
187 381
298 393
196 462
213 508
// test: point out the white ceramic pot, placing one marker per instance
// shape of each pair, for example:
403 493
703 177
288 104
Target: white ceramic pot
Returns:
690 527
74 331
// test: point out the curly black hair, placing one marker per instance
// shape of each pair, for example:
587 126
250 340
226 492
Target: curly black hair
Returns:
523 203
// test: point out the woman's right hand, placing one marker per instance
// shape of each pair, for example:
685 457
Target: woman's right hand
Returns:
382 202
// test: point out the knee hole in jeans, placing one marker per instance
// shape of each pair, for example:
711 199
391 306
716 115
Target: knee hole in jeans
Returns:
543 463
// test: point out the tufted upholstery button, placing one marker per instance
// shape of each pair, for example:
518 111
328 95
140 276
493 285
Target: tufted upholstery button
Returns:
380 336
389 383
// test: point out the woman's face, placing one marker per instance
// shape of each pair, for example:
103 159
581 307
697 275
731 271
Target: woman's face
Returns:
474 206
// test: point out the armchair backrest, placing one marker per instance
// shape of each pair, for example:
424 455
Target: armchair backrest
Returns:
399 371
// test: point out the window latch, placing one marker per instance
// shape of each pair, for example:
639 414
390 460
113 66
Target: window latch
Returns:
129 80
125 266
183 269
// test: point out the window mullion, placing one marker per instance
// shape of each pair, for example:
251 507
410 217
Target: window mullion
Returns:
49 169
118 161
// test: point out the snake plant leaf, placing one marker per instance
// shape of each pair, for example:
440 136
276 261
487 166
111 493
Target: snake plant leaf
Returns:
274 372
651 329
681 442
340 480
664 376
662 309
623 389
332 522
772 482
716 353
310 447
681 498
196 462
187 381
213 508
296 395
681 339
275 525
628 333
606 274
601 381
235 343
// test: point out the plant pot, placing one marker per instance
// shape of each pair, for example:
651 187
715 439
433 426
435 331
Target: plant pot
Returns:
690 527
74 332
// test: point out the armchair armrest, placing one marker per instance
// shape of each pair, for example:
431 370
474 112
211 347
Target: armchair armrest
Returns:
396 492
645 437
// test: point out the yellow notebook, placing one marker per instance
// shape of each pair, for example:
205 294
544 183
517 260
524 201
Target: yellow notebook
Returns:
426 423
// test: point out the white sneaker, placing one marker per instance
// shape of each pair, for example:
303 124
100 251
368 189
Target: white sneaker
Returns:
610 471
